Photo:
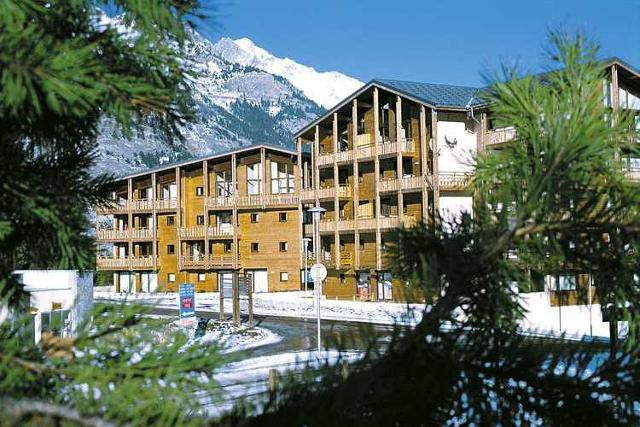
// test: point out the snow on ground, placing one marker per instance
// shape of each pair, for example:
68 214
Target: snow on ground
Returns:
299 304
248 379
231 337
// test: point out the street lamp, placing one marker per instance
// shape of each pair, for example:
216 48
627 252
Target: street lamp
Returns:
318 269
305 242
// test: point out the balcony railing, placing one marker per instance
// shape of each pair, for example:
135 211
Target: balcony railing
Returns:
500 136
633 175
166 204
412 182
388 185
142 205
221 231
454 181
134 262
112 206
201 261
221 202
102 234
307 194
135 234
366 223
191 232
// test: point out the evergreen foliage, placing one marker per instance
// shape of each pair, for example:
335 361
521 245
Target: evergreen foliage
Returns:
558 198
62 70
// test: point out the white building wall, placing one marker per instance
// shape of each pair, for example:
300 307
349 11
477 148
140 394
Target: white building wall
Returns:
457 143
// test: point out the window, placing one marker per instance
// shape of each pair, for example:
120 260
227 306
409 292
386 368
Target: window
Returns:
254 178
255 247
563 282
282 178
201 277
284 276
171 220
171 249
284 246
142 193
171 277
200 219
361 245
224 186
199 191
343 279
255 217
227 247
283 216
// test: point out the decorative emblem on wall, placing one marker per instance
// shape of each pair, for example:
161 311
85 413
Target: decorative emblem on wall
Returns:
451 143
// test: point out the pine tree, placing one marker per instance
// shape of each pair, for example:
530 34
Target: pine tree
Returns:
558 198
63 68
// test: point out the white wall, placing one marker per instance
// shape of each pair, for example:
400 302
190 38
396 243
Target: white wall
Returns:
69 288
575 321
453 206
457 143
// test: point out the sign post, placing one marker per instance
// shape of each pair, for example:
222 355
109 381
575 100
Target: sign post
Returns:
318 274
187 304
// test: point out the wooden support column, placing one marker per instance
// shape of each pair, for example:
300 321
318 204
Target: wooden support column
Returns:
336 200
234 185
178 221
400 140
316 169
356 184
482 135
154 222
424 160
615 100
205 209
130 219
263 167
298 176
436 167
376 160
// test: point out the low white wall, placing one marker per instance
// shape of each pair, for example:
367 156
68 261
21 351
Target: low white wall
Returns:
575 321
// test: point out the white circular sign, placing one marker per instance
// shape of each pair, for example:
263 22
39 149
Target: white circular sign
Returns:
318 272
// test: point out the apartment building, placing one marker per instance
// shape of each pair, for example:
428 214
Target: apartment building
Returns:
201 220
393 153
396 152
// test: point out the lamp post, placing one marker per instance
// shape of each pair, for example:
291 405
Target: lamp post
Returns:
305 242
317 267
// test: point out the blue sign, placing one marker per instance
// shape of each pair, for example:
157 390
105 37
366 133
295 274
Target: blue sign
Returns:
187 301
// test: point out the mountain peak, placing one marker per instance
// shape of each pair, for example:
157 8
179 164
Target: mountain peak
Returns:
324 88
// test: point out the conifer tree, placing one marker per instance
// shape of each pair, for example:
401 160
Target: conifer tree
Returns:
557 198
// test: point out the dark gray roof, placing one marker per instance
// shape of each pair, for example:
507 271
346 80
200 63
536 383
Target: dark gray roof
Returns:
438 95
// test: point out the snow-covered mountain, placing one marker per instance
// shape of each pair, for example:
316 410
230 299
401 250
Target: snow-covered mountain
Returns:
243 95
326 89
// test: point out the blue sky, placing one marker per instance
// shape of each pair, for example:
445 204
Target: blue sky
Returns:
436 41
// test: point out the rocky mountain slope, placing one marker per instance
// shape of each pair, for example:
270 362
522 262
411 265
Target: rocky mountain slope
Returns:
244 95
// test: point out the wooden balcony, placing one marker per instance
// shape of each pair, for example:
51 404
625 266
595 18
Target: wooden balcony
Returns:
112 235
408 183
198 232
142 205
224 231
500 136
454 181
406 146
200 261
126 263
114 207
166 204
120 235
368 223
325 258
308 195
633 175
221 202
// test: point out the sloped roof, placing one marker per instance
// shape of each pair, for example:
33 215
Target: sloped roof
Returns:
438 95
288 149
